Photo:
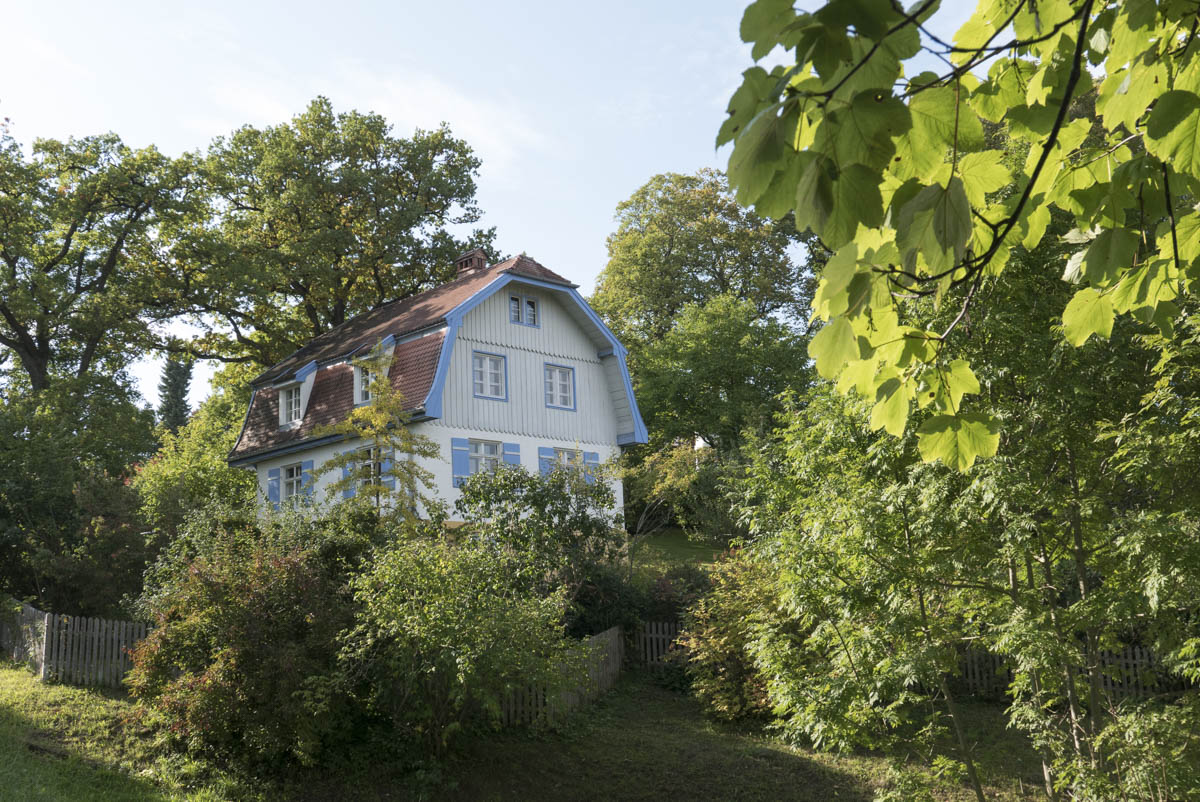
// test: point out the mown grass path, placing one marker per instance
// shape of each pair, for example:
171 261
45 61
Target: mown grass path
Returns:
646 742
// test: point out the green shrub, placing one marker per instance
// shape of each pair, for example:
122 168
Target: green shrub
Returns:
446 630
247 614
718 629
608 597
558 529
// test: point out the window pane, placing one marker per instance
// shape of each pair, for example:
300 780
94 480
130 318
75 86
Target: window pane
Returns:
531 312
514 309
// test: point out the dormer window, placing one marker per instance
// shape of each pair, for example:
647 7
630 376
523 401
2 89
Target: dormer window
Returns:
365 377
523 310
289 401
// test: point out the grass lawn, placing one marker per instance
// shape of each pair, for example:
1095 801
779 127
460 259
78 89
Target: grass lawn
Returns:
671 547
63 743
639 742
645 742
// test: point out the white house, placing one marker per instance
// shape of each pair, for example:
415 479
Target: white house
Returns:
504 364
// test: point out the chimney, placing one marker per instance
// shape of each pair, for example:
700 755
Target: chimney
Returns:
471 262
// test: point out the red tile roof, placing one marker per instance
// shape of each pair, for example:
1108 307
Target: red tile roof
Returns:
414 363
403 317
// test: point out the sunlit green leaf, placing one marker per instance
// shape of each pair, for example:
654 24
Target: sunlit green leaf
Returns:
958 440
1087 313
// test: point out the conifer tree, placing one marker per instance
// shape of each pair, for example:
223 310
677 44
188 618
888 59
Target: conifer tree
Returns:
172 393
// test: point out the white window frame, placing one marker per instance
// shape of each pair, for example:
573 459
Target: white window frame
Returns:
291 478
479 457
291 407
484 373
552 386
373 456
528 310
568 457
365 377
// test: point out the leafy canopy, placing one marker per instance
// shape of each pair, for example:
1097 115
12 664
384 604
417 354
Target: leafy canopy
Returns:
896 174
83 231
316 220
683 239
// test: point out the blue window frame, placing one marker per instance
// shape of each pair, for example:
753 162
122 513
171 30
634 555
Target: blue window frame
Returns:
558 386
524 310
489 376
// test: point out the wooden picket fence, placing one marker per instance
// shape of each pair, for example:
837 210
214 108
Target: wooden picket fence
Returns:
655 639
73 649
532 704
21 632
1131 673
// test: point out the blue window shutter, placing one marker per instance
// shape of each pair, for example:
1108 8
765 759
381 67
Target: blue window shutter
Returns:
460 459
273 487
512 453
545 459
387 478
349 491
591 462
306 469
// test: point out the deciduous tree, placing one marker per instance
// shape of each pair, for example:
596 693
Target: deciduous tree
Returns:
83 251
893 171
319 219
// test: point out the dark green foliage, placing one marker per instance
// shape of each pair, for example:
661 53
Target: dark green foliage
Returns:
71 540
82 223
172 393
316 220
247 614
560 523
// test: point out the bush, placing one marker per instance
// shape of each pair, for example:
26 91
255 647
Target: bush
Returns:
608 598
694 483
446 631
247 613
558 529
718 629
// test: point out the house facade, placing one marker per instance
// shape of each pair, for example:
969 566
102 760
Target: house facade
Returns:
506 364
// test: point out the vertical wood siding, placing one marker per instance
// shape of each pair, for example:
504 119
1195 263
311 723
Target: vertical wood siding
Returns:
559 339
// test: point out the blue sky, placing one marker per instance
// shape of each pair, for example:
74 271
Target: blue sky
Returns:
570 106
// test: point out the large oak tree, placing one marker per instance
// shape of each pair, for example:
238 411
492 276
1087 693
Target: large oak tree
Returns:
316 220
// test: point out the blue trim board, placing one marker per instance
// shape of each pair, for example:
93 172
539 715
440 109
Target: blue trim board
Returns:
433 401
574 394
304 372
460 460
504 360
242 431
639 428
